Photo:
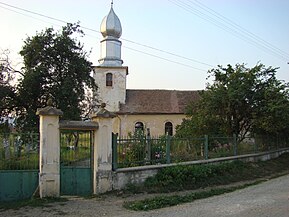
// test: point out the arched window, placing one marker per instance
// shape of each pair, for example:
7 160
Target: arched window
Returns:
109 80
139 126
169 128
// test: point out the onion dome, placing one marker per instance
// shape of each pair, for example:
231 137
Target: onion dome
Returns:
110 25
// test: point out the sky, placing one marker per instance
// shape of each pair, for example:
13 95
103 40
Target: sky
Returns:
166 44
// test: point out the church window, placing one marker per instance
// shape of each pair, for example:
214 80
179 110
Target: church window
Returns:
109 80
169 128
138 126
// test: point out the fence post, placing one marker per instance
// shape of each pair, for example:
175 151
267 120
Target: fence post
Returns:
49 154
103 159
168 149
255 144
206 147
114 151
235 145
148 148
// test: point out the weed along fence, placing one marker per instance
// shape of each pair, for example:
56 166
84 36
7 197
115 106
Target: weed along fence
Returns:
136 159
19 165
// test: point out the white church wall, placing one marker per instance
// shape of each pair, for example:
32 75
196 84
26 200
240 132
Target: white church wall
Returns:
115 94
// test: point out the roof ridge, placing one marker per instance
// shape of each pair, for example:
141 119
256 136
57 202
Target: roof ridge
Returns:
163 90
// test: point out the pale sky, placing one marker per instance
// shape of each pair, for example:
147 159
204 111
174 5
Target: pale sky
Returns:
201 33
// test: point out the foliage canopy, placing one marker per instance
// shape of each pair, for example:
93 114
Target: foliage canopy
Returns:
7 91
240 100
56 67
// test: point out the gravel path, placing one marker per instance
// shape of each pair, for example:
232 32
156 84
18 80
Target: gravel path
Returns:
270 198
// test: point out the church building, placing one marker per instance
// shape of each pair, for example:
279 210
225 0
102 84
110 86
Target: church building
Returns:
157 111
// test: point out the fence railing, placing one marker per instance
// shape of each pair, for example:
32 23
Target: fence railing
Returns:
19 151
146 150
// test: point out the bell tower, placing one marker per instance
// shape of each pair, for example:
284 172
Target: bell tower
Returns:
110 75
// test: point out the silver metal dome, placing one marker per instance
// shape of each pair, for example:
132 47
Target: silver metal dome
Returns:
110 25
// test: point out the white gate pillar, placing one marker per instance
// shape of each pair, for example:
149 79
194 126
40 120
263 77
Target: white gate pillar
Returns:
102 168
49 155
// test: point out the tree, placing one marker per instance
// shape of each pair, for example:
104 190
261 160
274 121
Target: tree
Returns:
7 91
240 100
55 66
273 116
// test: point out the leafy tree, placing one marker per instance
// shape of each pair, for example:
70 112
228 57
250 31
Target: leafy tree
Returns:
273 116
55 66
7 91
240 100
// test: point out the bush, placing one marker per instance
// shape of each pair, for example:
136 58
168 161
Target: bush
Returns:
191 177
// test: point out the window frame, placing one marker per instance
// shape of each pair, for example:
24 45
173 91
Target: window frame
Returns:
108 79
169 128
139 128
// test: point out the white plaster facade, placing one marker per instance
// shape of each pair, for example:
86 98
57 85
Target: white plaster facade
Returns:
115 94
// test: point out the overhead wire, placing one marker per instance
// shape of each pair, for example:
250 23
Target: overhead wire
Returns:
44 21
238 32
168 60
127 40
236 25
228 29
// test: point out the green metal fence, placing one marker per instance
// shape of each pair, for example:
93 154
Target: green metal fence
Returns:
19 163
146 150
19 151
17 184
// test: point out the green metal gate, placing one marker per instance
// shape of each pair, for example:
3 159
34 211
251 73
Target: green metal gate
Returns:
76 158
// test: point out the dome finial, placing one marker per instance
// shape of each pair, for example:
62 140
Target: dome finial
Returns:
110 25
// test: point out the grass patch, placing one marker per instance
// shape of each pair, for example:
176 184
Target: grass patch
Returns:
192 177
35 202
179 178
166 201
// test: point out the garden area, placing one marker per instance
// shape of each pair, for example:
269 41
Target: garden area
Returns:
145 150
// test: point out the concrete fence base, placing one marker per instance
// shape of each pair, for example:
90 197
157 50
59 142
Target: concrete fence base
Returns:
137 175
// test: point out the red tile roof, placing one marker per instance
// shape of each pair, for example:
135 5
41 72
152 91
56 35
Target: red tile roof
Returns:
157 101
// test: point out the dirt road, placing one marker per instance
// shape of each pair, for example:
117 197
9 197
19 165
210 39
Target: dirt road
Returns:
270 198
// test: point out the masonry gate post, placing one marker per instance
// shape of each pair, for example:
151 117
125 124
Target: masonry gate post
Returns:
102 169
49 156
